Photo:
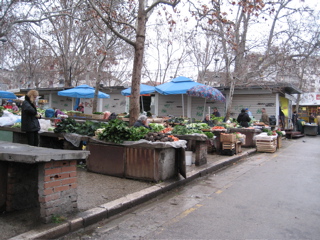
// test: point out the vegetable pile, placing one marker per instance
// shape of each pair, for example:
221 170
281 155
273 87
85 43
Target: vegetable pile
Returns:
69 125
160 137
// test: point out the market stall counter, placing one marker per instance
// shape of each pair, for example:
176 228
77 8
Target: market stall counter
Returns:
68 141
250 134
38 177
197 143
141 160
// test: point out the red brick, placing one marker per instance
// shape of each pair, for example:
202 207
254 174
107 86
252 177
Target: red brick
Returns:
74 185
52 184
61 163
48 165
61 188
52 171
74 162
69 169
48 191
68 181
64 175
73 174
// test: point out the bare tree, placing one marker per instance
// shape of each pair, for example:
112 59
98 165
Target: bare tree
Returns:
166 52
128 22
233 28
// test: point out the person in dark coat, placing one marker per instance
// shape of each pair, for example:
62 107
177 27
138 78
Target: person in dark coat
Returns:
142 122
243 118
29 118
207 120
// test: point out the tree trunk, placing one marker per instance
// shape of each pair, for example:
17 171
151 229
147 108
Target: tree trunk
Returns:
137 65
98 81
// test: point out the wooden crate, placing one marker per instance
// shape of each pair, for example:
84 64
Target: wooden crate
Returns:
97 116
279 142
228 138
266 145
230 146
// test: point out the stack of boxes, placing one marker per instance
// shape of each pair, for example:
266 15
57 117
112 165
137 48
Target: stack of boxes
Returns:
266 143
230 144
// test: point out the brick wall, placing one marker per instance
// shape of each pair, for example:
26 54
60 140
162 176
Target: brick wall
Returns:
57 188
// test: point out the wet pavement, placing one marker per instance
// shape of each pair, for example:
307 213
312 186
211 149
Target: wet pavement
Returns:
96 191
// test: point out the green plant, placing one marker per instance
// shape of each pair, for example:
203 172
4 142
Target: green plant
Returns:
137 133
57 219
69 125
115 131
209 134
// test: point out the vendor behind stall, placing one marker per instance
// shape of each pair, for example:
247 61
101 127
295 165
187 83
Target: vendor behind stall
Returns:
243 118
142 122
208 121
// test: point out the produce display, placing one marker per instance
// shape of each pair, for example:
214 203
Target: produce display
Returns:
209 134
176 120
218 128
160 137
16 125
156 127
69 125
271 133
183 130
118 131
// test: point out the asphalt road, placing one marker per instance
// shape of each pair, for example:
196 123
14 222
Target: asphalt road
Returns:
266 196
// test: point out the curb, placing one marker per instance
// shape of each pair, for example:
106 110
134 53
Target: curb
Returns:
117 206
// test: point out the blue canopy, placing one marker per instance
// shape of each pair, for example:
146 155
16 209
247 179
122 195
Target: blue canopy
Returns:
179 85
144 89
7 95
82 91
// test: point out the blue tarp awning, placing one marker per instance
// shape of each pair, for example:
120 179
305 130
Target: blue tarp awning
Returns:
82 91
7 95
144 89
179 85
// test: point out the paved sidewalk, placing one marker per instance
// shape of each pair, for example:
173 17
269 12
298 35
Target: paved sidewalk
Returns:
101 196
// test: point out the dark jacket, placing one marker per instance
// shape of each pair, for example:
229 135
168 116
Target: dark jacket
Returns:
29 122
138 123
209 122
243 119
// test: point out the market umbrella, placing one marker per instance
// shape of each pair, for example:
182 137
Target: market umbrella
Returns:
7 95
82 91
206 92
144 89
179 85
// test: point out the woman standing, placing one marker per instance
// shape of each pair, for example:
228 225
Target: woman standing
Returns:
29 118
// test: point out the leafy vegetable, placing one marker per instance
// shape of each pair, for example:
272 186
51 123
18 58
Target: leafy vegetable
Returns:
69 125
116 131
156 127
183 130
209 134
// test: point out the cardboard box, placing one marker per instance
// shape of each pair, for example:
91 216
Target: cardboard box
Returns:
228 138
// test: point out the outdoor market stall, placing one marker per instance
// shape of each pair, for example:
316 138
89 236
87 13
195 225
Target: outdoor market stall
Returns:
250 133
140 160
38 177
